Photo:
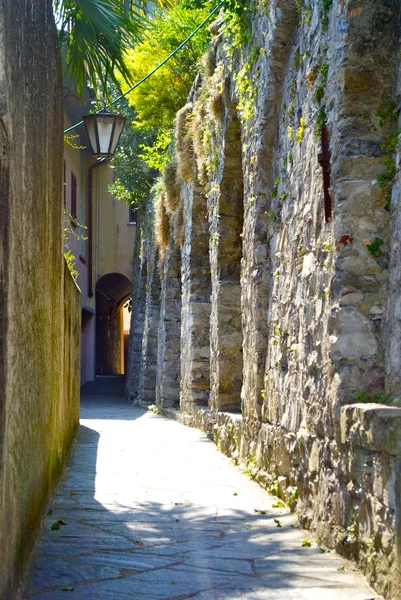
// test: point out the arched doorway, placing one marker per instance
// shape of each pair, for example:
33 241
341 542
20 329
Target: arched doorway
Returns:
112 292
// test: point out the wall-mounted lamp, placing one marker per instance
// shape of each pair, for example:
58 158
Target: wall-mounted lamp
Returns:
104 131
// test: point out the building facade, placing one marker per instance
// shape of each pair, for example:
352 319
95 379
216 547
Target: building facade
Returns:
100 234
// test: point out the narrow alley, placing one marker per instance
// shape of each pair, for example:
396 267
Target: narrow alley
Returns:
151 509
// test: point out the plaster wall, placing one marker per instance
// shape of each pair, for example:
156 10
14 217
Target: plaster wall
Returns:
114 238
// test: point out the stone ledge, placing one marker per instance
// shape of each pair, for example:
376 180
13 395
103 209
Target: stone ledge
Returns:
172 413
372 426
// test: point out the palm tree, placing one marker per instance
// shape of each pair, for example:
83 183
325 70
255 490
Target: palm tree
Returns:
96 34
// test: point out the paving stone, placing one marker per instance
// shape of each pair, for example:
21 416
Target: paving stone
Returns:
154 511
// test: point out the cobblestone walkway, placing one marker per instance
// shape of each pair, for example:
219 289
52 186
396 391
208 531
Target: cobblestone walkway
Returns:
151 509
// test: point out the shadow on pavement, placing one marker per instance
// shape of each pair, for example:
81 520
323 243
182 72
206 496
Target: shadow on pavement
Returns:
116 540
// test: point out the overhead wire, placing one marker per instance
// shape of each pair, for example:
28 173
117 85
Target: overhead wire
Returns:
154 70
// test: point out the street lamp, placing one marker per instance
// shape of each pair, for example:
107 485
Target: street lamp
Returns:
104 131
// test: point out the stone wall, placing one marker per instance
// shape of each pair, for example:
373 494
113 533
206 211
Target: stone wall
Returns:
196 307
289 225
169 337
39 301
142 359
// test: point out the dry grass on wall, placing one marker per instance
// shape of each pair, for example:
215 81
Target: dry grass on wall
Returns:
198 123
171 183
215 106
216 85
162 222
209 62
178 226
184 143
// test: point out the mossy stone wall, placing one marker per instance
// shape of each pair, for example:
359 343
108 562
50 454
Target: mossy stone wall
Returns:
39 301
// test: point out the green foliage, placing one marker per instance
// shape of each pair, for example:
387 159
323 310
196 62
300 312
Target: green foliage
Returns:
293 494
375 248
387 117
279 504
133 178
307 13
299 136
251 468
237 26
388 113
366 398
70 233
352 532
247 91
306 543
370 544
318 92
156 155
325 9
158 99
274 488
321 121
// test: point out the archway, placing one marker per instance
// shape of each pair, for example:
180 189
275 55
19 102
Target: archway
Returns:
112 292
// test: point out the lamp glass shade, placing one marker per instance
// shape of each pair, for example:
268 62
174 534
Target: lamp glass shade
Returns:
104 131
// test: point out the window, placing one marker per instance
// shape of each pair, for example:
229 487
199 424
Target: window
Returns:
73 196
132 215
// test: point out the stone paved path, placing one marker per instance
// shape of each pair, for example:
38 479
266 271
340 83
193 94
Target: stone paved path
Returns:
153 510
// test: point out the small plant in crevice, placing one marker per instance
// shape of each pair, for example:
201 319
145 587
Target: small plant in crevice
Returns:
299 136
325 9
251 467
353 532
321 121
370 545
311 77
274 190
293 492
297 59
388 116
375 248
246 86
274 488
321 83
307 13
366 398
237 23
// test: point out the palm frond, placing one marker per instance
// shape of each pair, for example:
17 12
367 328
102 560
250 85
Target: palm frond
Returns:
97 34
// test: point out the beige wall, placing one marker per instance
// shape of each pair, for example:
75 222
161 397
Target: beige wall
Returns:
113 238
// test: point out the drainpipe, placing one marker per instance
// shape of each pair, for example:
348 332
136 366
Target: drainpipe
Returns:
90 217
